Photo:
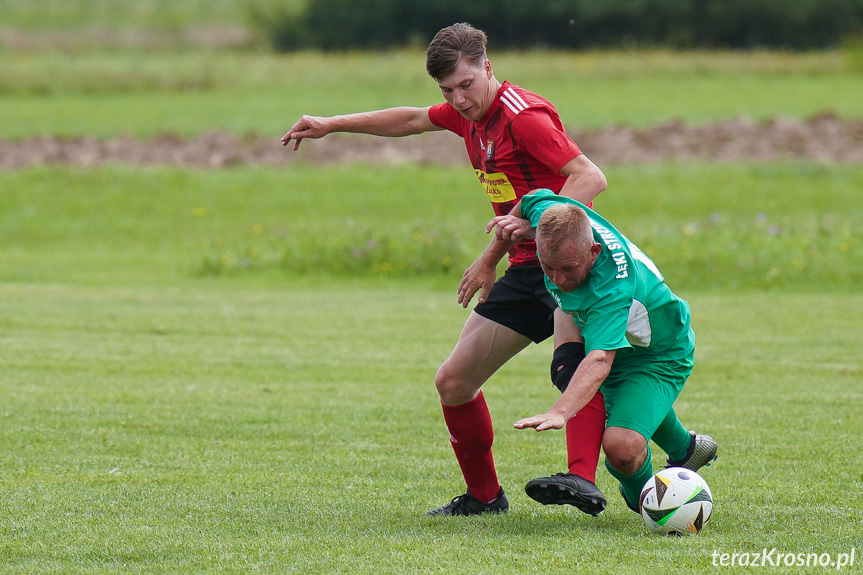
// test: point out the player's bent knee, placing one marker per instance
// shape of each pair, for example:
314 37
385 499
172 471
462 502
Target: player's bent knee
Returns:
564 362
625 462
625 449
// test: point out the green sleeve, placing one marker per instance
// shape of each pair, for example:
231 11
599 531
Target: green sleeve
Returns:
535 204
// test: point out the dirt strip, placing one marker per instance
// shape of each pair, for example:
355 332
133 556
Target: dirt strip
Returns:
824 139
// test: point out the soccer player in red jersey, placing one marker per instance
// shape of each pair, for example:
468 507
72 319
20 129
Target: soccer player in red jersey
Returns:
516 143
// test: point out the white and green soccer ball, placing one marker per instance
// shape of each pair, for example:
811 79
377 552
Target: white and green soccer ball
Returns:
676 501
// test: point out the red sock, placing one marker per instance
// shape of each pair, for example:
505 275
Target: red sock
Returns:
471 436
584 436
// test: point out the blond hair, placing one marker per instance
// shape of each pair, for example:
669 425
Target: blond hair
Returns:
562 224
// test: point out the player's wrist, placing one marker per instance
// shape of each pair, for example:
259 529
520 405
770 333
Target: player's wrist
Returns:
560 412
491 256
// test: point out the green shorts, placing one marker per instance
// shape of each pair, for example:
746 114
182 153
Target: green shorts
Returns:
638 395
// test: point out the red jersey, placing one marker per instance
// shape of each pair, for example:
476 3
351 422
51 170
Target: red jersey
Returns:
518 146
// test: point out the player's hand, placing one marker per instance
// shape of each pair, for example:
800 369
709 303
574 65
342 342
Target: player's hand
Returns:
477 278
541 422
510 228
306 127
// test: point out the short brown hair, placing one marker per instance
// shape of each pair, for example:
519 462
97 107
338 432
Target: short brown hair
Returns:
451 45
561 224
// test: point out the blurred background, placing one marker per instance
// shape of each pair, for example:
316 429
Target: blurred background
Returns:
350 24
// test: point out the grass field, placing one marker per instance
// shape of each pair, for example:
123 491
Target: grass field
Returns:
198 430
709 227
264 419
142 94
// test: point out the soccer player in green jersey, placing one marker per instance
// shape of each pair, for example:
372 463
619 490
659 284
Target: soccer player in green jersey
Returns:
638 340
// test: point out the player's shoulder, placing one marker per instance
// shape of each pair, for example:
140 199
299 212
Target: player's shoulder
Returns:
516 100
527 113
445 116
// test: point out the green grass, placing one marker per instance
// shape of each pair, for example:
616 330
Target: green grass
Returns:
777 227
105 94
198 429
168 223
269 420
731 227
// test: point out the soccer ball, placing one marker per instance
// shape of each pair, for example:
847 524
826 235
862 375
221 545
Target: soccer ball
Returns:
676 501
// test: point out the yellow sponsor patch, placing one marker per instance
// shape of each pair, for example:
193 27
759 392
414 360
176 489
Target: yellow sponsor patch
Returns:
497 187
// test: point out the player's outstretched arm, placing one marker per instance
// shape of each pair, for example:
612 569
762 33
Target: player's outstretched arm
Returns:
391 122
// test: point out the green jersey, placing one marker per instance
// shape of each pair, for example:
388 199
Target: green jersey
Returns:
623 304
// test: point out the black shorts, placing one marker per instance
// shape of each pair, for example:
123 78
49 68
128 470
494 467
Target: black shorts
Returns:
519 301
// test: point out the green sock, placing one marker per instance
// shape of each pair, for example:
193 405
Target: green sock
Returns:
672 437
632 484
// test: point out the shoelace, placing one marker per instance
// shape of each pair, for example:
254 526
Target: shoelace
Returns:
459 501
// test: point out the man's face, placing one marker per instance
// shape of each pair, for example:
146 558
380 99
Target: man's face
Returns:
568 267
469 89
